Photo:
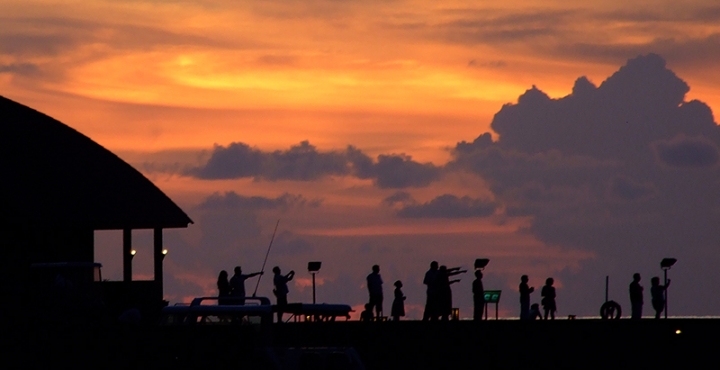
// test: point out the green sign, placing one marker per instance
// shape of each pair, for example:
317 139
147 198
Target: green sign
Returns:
492 296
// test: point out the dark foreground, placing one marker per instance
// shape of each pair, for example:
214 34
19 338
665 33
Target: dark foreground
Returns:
560 344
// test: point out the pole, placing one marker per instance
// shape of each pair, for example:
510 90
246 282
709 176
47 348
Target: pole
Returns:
266 257
127 256
313 274
607 283
665 292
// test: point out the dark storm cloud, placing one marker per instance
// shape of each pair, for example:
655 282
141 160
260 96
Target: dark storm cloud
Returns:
591 171
303 162
449 206
687 152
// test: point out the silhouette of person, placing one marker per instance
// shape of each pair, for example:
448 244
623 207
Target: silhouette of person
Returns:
525 297
636 297
237 283
431 303
534 312
367 315
398 305
281 289
223 286
657 292
374 284
478 296
444 290
548 301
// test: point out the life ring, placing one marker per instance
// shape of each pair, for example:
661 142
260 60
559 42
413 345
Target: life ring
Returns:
610 310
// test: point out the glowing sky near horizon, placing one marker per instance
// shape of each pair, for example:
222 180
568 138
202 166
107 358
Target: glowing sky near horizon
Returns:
161 83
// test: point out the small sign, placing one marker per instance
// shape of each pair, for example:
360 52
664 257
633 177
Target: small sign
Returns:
492 296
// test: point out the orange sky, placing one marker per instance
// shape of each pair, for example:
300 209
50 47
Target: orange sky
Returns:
162 81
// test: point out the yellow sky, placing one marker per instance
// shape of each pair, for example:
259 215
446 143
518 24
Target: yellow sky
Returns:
320 59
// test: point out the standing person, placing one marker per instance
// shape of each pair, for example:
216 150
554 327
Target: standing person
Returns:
237 283
281 289
444 290
478 296
636 297
374 284
223 286
657 292
431 304
525 297
398 306
548 301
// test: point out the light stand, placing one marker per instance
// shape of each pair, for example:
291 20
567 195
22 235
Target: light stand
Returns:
313 268
665 265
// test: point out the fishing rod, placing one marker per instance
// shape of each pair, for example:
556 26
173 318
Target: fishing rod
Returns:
266 257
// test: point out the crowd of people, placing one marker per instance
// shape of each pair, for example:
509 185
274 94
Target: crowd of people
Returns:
438 305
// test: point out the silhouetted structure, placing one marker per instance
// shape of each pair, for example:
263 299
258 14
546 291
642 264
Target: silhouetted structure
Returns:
58 187
237 283
223 286
281 289
548 301
374 285
398 306
478 296
657 293
636 297
431 303
525 297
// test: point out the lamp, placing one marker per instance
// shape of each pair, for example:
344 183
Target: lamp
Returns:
313 268
666 263
480 263
132 253
164 253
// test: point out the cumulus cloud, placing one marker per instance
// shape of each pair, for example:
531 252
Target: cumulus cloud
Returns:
400 171
591 170
304 162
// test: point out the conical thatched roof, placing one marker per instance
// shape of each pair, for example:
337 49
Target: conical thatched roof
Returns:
53 175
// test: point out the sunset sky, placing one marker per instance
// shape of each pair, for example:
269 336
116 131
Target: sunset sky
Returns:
359 124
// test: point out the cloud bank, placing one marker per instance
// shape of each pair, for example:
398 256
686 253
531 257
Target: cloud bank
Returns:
304 162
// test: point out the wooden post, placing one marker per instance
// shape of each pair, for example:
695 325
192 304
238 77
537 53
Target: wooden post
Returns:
158 257
127 257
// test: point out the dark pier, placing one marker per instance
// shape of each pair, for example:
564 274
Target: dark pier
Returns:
562 344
